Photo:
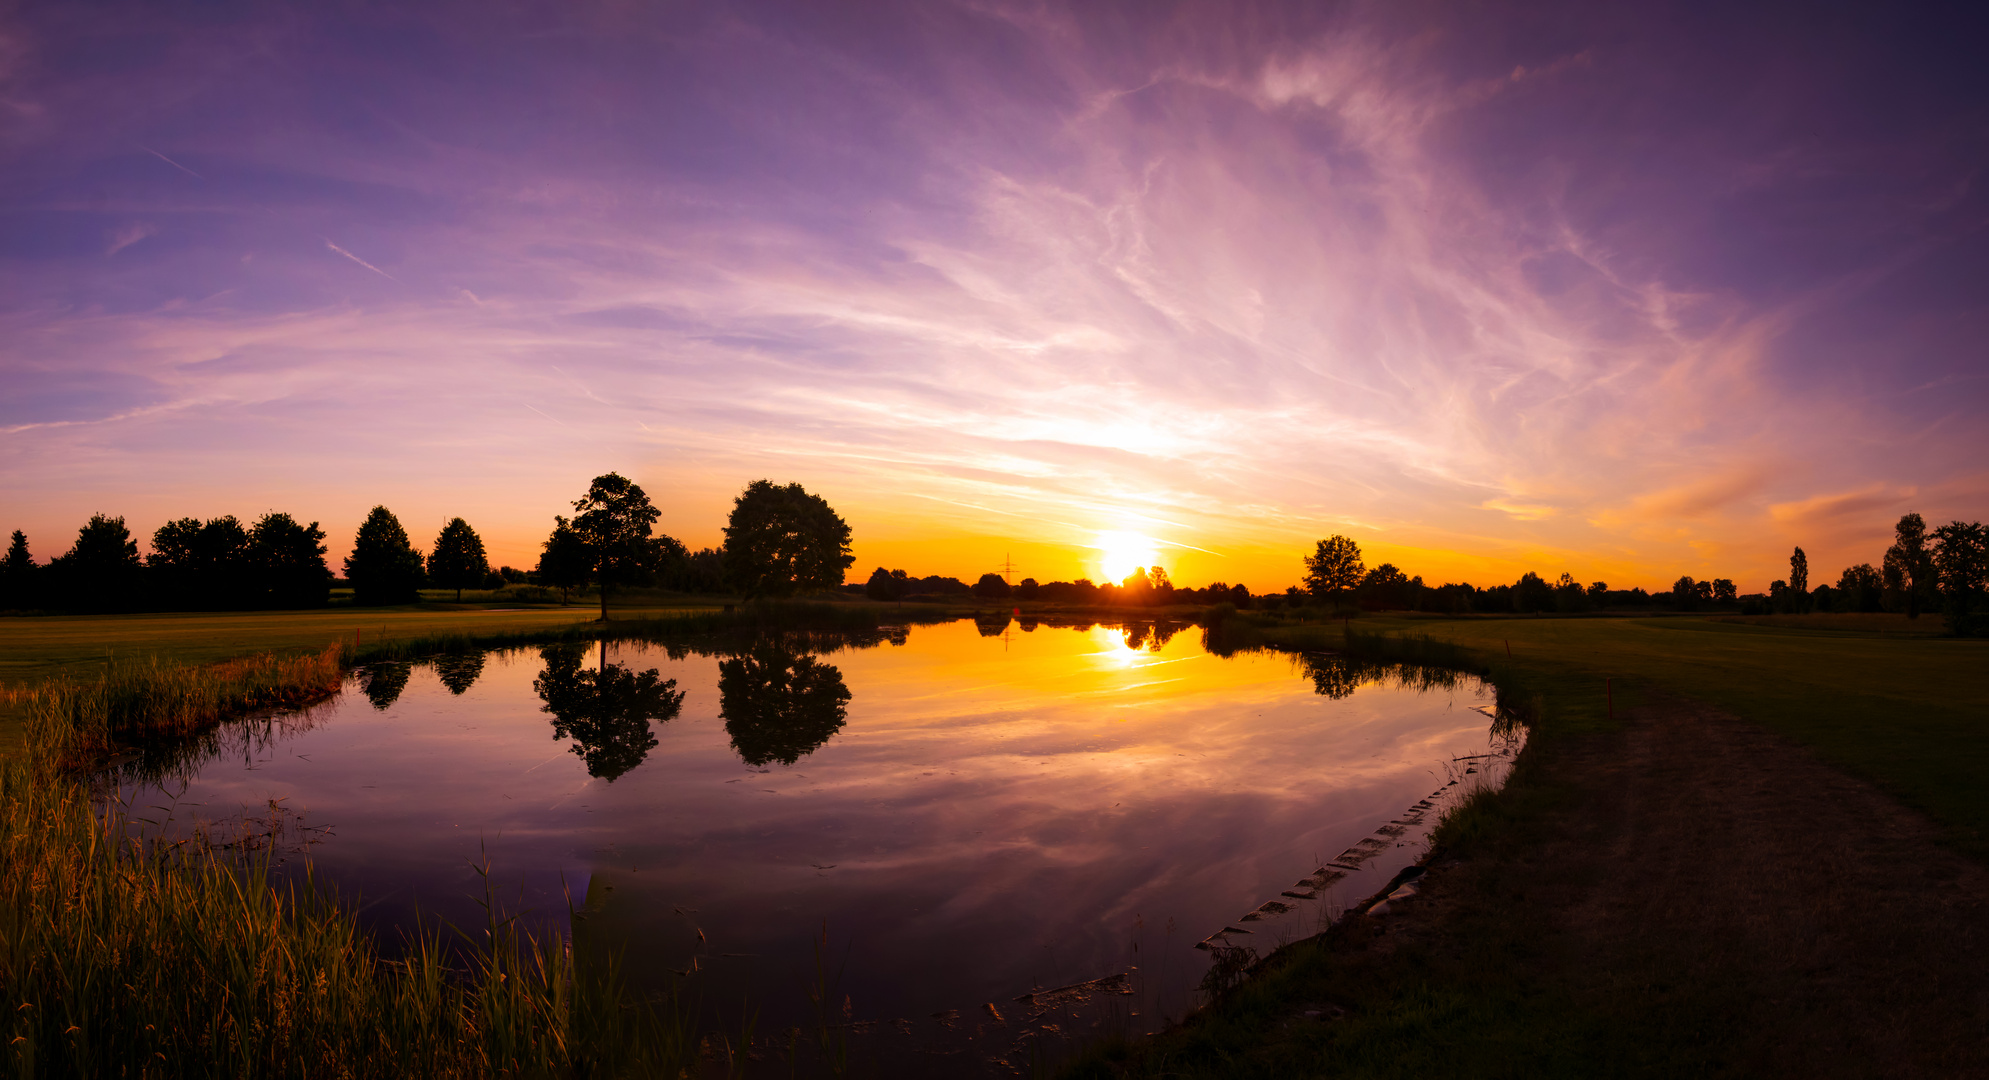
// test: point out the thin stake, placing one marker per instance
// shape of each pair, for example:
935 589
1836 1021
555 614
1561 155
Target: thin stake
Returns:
1508 648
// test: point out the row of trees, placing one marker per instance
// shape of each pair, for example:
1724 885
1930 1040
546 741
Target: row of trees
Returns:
219 564
1923 570
779 541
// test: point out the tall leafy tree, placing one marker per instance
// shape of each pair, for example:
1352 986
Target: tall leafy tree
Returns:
201 566
289 562
102 571
457 561
781 541
1961 566
20 575
614 518
1907 568
384 567
1334 568
564 561
1799 580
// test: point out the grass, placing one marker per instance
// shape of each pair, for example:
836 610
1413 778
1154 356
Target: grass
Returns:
125 957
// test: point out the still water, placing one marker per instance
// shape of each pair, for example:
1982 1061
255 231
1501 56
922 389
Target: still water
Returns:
971 812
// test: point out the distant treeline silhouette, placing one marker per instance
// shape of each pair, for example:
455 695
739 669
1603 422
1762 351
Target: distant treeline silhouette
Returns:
779 541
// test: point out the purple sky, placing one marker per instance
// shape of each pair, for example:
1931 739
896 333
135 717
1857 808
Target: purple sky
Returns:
1627 290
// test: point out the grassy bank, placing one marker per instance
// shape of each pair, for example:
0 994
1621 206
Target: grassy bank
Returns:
122 958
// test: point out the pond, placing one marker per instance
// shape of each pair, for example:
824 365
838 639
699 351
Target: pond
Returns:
964 813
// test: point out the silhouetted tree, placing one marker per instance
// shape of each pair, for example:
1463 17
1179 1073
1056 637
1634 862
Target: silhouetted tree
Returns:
564 561
20 576
1961 565
883 585
1685 594
1383 588
1799 579
384 567
202 567
1724 591
781 541
779 706
1907 569
615 518
1334 568
457 561
1861 587
101 572
1532 593
605 711
991 587
1027 589
287 561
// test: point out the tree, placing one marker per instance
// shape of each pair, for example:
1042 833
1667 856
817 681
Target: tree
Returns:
1908 570
1861 586
457 561
991 587
201 567
1333 568
564 561
288 562
1532 593
1724 591
384 567
614 519
781 540
1382 588
1961 567
885 585
102 571
1799 579
20 576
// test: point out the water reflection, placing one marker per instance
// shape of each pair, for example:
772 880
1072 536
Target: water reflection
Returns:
459 671
605 711
382 683
778 705
1152 637
991 625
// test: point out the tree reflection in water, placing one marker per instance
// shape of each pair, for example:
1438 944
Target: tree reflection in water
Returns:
605 711
1152 637
779 706
458 671
382 683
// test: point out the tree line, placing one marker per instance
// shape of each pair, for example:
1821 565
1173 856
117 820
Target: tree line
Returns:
779 541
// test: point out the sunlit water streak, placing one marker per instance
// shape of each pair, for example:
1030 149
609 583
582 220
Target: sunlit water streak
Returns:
996 814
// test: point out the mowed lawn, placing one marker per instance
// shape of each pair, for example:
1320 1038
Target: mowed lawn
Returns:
1885 699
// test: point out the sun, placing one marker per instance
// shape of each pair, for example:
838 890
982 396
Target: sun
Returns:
1119 553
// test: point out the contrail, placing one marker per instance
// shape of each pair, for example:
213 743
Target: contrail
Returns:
171 162
359 260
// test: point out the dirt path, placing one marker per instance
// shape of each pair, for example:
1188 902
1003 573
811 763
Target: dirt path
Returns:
1727 887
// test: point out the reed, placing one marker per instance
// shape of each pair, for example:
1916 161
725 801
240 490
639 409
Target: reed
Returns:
76 719
122 956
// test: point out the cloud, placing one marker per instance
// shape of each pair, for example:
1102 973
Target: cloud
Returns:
127 235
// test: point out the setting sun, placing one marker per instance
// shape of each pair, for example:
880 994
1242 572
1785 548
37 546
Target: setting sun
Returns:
1120 553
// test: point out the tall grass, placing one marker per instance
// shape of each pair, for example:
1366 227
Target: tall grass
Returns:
123 957
77 719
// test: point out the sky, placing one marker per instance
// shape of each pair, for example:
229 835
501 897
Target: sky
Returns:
1627 291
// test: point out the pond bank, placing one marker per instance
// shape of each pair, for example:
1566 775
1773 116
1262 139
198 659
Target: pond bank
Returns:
1685 894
